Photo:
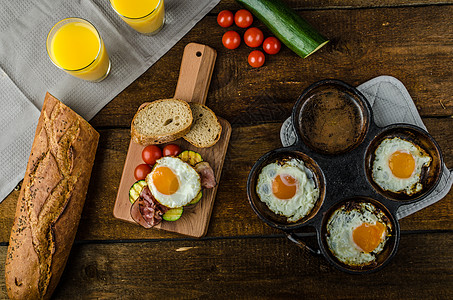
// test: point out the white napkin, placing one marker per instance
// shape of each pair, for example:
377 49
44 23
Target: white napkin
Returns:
18 120
391 103
27 72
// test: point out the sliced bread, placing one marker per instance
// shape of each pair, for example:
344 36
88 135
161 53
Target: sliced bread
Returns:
206 129
161 121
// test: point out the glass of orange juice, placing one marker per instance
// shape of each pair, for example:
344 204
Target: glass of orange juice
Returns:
145 16
75 46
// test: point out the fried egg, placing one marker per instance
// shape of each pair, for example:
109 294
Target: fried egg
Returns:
357 233
398 165
287 187
173 182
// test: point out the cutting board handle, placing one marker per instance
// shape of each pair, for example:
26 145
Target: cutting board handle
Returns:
195 74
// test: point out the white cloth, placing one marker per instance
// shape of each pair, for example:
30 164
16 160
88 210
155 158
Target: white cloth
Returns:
391 103
26 72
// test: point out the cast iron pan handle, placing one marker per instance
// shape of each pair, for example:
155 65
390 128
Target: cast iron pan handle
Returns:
293 238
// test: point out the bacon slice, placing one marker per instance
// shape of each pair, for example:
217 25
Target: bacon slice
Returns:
146 195
207 175
137 216
147 211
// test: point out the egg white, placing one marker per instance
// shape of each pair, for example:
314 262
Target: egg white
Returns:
384 177
306 195
189 182
340 227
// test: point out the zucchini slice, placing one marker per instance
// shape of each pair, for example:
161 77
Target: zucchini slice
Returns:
190 157
173 214
135 190
197 198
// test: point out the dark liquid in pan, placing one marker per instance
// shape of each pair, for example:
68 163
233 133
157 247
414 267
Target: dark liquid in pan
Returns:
332 121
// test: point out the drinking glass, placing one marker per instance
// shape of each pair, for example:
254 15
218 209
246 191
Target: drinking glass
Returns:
145 16
75 46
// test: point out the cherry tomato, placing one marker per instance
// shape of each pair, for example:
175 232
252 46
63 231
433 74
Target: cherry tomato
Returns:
225 18
171 150
243 18
150 154
253 37
256 58
272 45
231 39
141 171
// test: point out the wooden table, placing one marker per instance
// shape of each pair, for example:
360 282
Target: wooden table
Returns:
240 255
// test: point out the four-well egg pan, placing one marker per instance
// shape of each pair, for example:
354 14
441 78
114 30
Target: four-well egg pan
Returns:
336 140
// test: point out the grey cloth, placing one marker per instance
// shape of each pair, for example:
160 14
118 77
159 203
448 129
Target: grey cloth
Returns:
26 72
391 103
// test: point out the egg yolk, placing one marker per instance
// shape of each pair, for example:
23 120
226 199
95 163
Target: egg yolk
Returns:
402 164
368 236
284 186
165 181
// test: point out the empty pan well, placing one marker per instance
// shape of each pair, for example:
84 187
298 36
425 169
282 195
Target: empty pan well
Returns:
331 117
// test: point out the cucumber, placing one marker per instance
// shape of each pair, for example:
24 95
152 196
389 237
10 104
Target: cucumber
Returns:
197 198
173 214
190 157
135 190
286 25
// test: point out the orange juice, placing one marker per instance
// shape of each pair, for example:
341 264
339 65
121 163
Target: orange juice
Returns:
75 46
145 16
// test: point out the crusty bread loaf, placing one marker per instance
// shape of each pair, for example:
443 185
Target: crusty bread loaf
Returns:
206 129
161 121
50 201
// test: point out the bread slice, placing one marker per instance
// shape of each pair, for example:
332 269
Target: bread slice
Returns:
161 121
206 129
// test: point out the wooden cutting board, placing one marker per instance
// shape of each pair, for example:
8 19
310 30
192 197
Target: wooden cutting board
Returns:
194 78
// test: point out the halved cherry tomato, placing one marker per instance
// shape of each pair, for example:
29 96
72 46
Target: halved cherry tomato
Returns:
171 150
272 45
256 58
150 154
253 37
225 18
141 171
231 39
243 18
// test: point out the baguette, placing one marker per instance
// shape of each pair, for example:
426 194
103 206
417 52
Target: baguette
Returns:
50 201
161 121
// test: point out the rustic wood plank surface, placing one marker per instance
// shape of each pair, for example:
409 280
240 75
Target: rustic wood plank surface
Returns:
365 43
241 256
336 4
98 222
248 268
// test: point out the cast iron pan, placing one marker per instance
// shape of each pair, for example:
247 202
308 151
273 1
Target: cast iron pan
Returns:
336 139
